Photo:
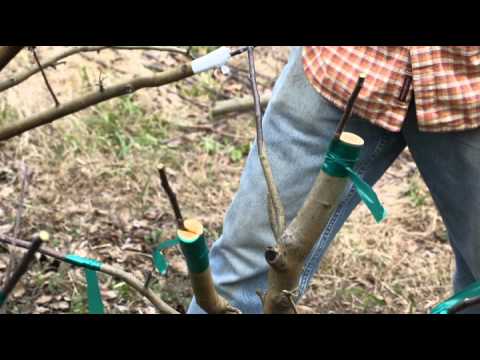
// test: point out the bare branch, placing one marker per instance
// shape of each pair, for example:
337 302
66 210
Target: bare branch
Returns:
54 61
129 279
49 87
96 97
171 197
237 105
24 176
202 283
21 269
7 53
277 211
349 108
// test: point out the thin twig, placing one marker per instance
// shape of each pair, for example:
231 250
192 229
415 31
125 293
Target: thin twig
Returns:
172 198
100 82
49 87
18 218
275 206
348 110
22 267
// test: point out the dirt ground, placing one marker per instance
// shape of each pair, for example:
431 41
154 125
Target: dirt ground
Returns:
95 189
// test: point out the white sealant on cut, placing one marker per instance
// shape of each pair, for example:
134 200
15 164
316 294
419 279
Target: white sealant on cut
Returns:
215 59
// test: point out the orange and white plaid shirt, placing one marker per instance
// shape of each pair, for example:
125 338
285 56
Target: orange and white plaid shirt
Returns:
445 80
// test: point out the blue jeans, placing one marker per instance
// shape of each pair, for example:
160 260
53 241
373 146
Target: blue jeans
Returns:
298 126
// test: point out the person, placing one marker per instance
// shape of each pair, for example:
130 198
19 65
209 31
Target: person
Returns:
423 97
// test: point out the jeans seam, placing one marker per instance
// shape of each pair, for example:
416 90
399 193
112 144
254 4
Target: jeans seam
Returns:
309 268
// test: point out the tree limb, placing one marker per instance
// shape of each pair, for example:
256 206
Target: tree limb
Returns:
52 62
96 97
202 283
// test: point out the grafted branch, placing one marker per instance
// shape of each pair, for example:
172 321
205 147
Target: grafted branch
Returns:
192 242
287 259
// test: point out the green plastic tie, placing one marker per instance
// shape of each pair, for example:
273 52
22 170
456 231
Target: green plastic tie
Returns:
91 266
86 263
161 263
95 305
470 292
339 162
167 244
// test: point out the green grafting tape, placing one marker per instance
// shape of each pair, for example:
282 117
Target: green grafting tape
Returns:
339 162
167 244
339 150
159 259
196 253
86 263
470 292
160 262
91 266
2 298
95 305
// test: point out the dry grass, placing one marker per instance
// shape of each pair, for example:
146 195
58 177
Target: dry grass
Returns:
95 188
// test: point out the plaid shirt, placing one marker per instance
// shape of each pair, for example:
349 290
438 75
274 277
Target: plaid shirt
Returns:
446 81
